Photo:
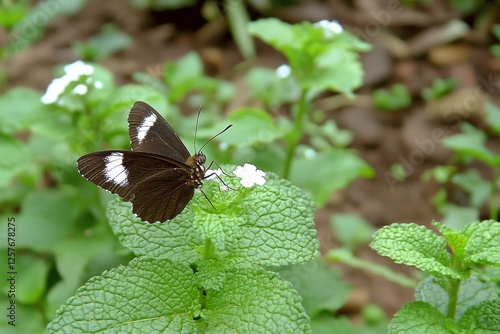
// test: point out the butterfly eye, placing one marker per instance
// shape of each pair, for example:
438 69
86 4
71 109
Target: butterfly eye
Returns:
202 158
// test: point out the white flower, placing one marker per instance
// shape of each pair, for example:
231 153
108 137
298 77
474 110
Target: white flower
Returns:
98 84
330 28
213 174
283 71
78 68
80 89
73 73
250 175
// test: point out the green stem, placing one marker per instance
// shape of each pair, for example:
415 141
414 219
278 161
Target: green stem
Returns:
346 257
238 19
453 289
297 132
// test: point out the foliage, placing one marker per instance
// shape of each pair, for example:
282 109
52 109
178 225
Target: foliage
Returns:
495 48
454 299
109 41
469 146
396 98
440 87
321 58
204 270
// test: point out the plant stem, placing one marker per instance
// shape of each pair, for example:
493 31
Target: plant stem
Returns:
453 289
238 19
346 257
297 132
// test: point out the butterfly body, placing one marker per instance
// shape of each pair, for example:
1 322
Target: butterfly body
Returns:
158 176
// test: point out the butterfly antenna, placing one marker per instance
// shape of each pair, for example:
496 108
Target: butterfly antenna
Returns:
196 128
213 137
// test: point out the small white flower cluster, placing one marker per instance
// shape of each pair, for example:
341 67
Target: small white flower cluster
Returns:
330 28
73 73
248 173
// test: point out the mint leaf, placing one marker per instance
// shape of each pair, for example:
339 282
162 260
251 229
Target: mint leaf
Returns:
147 296
270 226
175 240
415 245
472 291
482 318
156 295
254 302
420 317
484 242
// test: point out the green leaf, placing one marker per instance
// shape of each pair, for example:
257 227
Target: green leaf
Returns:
35 325
182 76
483 318
420 317
352 230
472 142
269 225
176 240
48 216
475 244
318 62
15 159
275 32
320 287
18 107
472 291
327 172
472 182
72 255
252 126
493 115
440 87
337 70
254 302
265 86
156 295
108 41
483 242
395 98
147 296
57 297
30 279
415 245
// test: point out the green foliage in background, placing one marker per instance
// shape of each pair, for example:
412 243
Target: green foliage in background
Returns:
393 99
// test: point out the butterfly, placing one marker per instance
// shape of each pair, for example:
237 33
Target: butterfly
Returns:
159 176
